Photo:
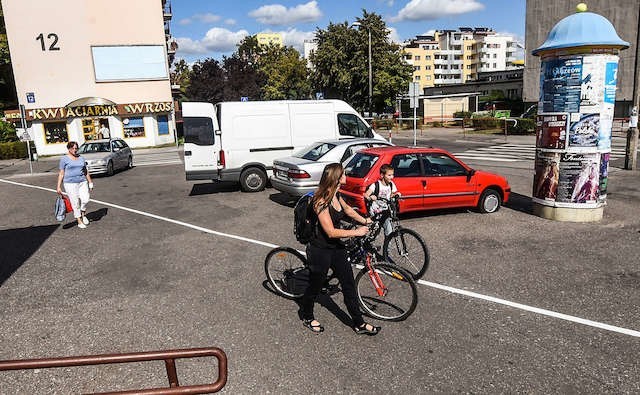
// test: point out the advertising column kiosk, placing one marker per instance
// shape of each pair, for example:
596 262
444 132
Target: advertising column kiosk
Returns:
578 75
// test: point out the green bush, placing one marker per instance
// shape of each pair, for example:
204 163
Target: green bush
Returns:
13 150
7 132
524 126
486 123
462 114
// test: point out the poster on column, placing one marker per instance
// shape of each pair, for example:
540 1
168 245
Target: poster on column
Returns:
551 130
584 130
545 180
578 183
592 84
604 176
560 82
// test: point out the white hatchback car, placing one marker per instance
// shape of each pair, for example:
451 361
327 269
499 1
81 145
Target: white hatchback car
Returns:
300 173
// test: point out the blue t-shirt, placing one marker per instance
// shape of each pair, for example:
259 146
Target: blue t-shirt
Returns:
73 169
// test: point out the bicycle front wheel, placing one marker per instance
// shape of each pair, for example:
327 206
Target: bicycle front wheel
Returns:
391 296
287 271
407 249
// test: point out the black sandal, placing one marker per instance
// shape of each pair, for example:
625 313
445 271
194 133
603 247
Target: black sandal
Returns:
313 328
362 329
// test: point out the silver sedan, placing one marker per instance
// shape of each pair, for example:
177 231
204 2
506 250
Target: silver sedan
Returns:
106 156
300 173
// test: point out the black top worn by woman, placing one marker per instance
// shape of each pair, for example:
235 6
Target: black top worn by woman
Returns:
322 240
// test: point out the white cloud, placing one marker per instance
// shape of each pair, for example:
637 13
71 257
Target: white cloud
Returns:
393 35
215 40
277 14
420 10
206 18
230 22
295 38
202 18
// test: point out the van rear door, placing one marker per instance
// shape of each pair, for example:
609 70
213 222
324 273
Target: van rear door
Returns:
201 145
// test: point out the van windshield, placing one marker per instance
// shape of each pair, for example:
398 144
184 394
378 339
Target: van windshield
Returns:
315 151
198 130
351 125
359 165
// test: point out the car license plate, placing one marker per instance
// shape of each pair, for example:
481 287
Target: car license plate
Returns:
282 173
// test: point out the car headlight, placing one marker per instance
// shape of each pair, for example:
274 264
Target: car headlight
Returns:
100 162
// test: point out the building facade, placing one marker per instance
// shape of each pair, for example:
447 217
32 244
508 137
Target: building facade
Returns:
542 16
450 57
86 70
269 39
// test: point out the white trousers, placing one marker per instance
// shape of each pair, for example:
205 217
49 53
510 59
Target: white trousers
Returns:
78 195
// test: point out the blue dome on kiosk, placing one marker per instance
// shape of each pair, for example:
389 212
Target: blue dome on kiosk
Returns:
582 29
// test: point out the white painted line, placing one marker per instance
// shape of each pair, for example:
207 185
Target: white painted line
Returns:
549 313
538 310
165 162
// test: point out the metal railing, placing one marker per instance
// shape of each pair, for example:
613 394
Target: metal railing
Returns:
168 356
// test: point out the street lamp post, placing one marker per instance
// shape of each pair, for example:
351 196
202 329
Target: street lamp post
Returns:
370 70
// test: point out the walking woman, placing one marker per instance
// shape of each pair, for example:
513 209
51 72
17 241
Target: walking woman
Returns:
326 250
77 182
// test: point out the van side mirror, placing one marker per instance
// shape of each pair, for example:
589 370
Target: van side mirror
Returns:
470 174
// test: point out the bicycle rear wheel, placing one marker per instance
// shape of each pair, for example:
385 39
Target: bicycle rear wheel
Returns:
407 249
287 271
399 298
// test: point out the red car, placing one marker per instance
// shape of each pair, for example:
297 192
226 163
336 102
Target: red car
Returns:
427 178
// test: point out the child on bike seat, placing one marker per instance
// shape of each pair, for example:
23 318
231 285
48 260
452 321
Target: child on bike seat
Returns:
383 188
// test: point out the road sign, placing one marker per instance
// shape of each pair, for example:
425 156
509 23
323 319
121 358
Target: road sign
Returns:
31 97
319 95
414 92
244 98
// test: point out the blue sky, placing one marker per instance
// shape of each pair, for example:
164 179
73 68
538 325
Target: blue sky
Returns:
212 28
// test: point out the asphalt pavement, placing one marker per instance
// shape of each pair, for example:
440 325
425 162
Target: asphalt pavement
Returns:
511 303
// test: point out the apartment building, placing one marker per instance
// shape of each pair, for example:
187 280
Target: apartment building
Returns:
269 38
457 56
82 65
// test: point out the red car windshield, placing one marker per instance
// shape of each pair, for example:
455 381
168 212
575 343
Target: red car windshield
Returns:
359 165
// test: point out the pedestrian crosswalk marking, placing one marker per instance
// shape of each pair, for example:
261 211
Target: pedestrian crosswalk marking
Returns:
510 152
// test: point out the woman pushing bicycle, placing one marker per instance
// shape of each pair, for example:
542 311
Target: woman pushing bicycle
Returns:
326 250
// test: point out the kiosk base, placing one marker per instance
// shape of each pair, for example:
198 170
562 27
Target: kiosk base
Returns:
566 214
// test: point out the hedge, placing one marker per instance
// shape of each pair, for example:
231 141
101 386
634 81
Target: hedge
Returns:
487 123
13 150
524 126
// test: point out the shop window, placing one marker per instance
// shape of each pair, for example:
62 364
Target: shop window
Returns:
133 127
163 124
55 132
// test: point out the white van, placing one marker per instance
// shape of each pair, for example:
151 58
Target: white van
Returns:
238 141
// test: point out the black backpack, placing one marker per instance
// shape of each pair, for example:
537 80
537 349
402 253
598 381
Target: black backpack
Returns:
305 219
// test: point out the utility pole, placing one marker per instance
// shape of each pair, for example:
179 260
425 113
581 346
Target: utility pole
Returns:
630 157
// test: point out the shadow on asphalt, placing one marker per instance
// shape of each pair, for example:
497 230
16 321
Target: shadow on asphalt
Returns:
283 199
214 187
24 242
520 203
324 300
92 216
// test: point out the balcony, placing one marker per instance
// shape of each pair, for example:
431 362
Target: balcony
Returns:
172 47
167 10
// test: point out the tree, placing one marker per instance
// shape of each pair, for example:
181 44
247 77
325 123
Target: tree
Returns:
181 75
242 78
8 96
341 68
206 82
285 72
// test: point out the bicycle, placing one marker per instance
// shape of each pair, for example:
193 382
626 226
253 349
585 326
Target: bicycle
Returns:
389 295
403 247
